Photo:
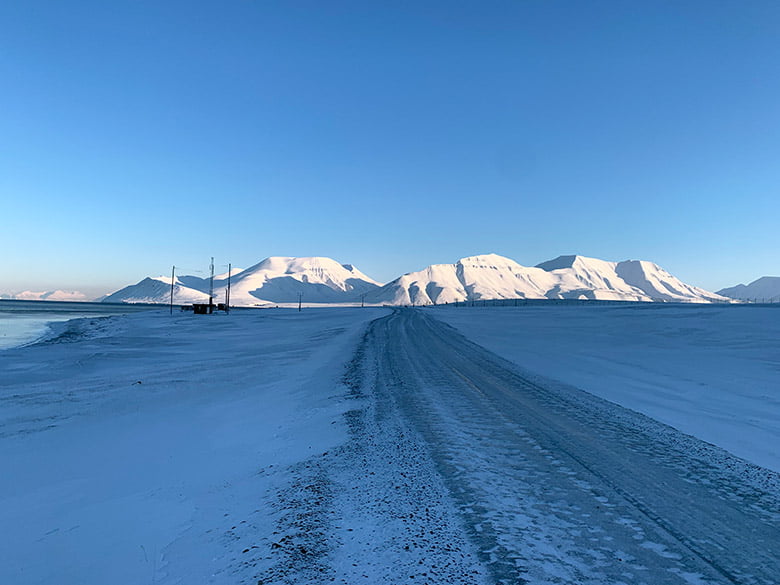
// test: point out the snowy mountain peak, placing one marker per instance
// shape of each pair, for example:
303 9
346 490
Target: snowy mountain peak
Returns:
52 295
577 262
224 275
157 290
485 258
766 288
316 279
659 284
277 279
491 276
307 269
493 261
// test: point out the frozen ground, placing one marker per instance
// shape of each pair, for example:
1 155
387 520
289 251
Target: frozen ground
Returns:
360 446
710 371
133 447
554 485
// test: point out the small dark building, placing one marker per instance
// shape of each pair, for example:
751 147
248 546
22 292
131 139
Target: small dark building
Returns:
203 308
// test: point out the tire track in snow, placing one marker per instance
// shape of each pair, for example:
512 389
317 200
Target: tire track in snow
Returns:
374 510
462 469
556 491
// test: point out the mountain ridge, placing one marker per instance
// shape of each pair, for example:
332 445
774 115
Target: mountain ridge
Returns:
51 295
765 288
317 279
276 279
491 276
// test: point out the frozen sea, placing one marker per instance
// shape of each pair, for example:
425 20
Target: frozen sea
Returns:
23 322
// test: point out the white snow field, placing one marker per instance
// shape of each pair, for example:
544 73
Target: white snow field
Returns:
709 371
133 447
378 446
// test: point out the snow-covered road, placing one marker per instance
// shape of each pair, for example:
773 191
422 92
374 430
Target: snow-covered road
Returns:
539 483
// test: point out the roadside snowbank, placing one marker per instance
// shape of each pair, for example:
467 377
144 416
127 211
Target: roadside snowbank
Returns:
709 371
133 448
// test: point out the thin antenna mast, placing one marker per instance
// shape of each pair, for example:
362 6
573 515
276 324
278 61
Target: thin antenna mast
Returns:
227 295
173 279
211 286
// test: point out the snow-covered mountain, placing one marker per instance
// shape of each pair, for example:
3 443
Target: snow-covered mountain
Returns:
477 277
274 280
52 295
323 280
157 290
491 276
765 289
281 279
638 280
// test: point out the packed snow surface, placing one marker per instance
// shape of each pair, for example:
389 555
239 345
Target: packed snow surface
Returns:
376 446
710 371
133 447
555 485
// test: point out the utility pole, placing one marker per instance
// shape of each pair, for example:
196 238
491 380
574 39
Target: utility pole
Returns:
227 295
173 278
362 300
300 295
211 287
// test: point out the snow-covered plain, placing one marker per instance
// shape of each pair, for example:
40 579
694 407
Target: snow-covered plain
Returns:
356 445
133 448
709 371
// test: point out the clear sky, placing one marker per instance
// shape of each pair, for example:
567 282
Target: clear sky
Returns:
139 134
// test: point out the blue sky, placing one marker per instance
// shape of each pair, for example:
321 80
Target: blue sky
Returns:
141 134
